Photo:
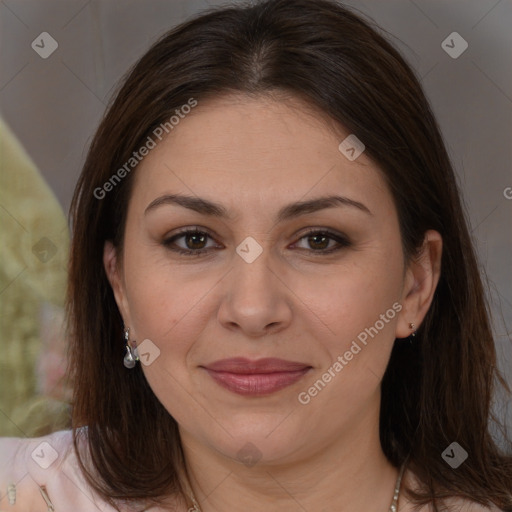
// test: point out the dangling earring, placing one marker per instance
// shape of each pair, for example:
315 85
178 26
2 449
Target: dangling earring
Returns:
413 328
132 356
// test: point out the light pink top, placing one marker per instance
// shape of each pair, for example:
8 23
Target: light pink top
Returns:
50 463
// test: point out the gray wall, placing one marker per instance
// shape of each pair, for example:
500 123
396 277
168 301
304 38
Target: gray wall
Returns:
54 104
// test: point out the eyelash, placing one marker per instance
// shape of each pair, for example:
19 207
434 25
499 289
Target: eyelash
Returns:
341 240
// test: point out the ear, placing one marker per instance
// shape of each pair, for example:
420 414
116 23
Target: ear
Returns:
421 278
116 280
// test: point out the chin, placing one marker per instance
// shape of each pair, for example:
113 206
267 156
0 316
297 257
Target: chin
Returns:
270 440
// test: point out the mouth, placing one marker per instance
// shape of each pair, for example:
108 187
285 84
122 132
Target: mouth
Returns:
256 378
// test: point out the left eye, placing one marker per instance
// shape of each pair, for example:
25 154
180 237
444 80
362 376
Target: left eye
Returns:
319 241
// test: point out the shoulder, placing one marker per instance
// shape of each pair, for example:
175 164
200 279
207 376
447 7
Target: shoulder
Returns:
21 456
35 470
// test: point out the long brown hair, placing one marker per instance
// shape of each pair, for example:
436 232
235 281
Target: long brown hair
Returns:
435 391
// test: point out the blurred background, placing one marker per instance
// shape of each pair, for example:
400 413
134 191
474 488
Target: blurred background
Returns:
60 61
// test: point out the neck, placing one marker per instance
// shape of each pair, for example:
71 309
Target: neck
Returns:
350 473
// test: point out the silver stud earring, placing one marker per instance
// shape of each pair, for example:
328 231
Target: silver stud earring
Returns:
413 328
131 357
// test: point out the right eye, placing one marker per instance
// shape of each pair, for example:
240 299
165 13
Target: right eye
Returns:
194 241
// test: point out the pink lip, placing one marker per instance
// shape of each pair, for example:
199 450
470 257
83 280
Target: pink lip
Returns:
260 377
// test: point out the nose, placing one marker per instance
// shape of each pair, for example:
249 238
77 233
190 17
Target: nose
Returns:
255 298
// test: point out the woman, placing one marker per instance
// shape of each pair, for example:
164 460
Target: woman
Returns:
273 296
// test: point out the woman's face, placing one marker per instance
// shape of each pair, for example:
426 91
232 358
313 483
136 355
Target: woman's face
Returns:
256 285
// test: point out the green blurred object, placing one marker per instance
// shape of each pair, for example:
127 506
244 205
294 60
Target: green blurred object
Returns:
34 245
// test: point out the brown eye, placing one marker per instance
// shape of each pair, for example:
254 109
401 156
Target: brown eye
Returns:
321 242
318 241
193 242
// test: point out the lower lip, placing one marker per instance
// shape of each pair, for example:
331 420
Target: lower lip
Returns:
256 384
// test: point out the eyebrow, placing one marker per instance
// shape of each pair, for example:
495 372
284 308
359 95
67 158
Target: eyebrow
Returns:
207 207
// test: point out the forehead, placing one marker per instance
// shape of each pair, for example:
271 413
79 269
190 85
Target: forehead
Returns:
253 150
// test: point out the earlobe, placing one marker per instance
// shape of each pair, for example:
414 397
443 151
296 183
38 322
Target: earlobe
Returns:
420 284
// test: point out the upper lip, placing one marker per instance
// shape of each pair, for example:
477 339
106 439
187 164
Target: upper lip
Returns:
242 365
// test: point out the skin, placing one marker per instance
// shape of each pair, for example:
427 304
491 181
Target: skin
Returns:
254 156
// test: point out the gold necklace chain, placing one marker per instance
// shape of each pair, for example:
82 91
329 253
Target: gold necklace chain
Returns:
393 507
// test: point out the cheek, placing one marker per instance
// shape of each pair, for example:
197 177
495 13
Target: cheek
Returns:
359 309
353 296
169 310
163 296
